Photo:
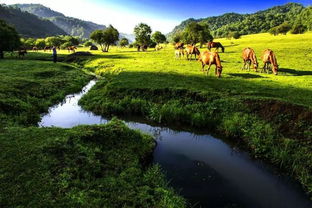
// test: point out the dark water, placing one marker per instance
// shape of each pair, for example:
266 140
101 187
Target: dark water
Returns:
206 170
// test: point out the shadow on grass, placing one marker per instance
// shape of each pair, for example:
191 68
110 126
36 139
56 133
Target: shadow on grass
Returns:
295 72
245 75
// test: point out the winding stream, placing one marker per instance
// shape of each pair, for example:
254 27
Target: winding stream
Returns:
209 172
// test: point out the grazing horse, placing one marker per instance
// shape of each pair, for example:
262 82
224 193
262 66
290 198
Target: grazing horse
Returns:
249 57
269 59
49 48
21 53
179 53
179 46
216 45
190 50
35 49
209 58
71 49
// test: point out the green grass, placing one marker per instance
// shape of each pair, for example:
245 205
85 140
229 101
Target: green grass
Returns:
30 87
271 114
87 166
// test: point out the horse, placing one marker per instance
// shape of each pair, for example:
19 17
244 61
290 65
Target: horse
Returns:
71 49
249 57
21 53
209 58
158 48
47 48
190 50
179 53
35 49
216 45
269 59
179 46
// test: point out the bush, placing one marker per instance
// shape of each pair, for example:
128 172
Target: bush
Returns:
298 29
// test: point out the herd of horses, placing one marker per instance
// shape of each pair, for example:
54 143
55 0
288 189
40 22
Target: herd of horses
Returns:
209 57
22 51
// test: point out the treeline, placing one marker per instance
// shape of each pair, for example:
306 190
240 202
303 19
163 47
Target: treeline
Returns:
28 25
293 14
62 41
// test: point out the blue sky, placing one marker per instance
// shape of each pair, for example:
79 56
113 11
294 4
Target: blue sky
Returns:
161 15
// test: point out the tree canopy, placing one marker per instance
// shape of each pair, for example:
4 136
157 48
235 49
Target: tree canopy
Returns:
106 37
196 33
124 42
158 37
142 34
9 38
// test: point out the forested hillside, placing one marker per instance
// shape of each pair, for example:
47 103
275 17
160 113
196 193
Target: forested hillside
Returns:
258 22
28 25
70 25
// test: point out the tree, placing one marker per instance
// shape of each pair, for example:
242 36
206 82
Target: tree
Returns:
142 34
273 31
106 37
177 38
235 35
53 41
73 41
9 38
195 33
88 43
158 37
40 43
124 42
298 29
284 28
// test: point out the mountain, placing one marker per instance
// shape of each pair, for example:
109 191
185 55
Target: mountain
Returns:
261 21
70 25
28 25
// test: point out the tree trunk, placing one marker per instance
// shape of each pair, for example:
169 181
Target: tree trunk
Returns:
1 54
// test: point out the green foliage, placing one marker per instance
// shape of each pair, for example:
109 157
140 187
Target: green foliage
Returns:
28 25
142 34
124 42
281 29
305 18
88 43
235 35
106 37
196 33
40 43
10 40
87 166
158 37
258 22
53 41
298 29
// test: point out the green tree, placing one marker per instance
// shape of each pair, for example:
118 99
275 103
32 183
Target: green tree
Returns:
158 37
106 37
53 41
124 42
40 43
195 33
284 28
9 38
298 29
88 43
142 34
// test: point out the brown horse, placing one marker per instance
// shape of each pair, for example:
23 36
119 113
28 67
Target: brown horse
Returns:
190 50
209 58
249 57
35 49
71 49
269 59
47 48
216 45
179 46
21 53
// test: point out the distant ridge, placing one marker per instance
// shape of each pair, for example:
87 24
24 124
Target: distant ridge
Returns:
258 22
28 25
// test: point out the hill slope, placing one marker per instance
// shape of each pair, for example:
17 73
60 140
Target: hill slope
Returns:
70 25
28 25
258 22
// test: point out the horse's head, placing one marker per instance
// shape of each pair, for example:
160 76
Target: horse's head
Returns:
275 69
219 71
256 65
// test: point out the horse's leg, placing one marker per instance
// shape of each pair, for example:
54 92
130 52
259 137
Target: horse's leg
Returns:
249 63
244 65
208 68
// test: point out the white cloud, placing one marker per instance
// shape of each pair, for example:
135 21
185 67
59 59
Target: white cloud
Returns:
102 13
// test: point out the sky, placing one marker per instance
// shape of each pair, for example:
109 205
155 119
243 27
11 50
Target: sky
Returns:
161 15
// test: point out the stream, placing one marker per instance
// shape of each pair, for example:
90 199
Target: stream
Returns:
207 171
